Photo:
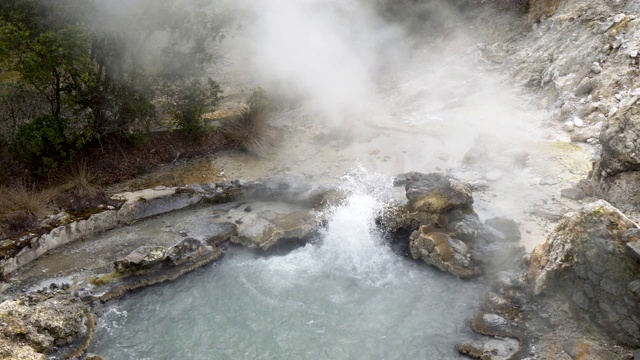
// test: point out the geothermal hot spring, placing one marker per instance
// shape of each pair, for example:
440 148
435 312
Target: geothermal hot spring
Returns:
366 94
346 296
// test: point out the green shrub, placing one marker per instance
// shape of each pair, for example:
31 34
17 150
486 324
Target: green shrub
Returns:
44 145
190 100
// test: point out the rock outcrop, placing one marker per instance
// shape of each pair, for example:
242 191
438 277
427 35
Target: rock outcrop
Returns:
39 325
592 259
442 251
617 173
445 231
501 321
582 56
141 258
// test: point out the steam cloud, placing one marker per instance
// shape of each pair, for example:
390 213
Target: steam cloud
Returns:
329 51
354 67
357 70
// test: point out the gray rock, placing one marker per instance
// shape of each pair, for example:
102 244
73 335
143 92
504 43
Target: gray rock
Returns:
208 187
240 182
580 300
622 189
490 348
620 139
218 233
442 251
140 258
437 193
508 227
633 249
586 133
186 250
195 188
267 228
591 239
634 287
572 193
585 87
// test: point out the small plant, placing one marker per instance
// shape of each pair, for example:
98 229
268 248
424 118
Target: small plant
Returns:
78 195
252 130
80 180
191 100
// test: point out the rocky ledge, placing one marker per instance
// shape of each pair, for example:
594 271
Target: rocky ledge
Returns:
588 266
56 324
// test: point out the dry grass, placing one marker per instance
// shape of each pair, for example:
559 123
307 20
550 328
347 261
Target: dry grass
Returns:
21 208
540 8
79 180
22 199
252 131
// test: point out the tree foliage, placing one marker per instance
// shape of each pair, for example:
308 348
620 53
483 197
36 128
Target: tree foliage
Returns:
102 68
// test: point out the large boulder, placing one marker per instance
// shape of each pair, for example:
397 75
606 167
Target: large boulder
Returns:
445 230
265 225
592 258
40 325
616 174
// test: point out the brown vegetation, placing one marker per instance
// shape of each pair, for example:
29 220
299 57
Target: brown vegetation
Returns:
21 207
79 189
252 131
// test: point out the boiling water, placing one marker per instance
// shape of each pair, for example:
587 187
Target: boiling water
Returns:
348 296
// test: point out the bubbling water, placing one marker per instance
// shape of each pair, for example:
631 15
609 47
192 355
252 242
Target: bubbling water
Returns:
345 296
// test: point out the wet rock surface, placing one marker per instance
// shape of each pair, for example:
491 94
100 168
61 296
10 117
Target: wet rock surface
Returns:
508 227
442 251
140 258
437 193
490 349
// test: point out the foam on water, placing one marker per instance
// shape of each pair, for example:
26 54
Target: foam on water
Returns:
350 244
